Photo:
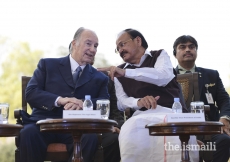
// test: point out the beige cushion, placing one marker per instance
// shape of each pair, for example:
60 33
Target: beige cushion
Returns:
57 147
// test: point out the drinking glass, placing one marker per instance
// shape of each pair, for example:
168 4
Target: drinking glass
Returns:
104 106
4 113
197 107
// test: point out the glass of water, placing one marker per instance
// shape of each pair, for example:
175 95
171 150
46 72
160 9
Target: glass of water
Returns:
197 107
104 106
4 113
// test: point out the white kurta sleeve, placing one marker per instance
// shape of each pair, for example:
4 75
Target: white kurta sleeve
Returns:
123 101
161 74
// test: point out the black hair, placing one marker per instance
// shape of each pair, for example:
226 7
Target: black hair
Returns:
184 39
134 33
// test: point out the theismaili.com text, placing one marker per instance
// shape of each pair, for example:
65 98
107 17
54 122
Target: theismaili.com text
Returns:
209 146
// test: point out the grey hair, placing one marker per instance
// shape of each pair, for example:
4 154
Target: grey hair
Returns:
76 37
78 33
70 47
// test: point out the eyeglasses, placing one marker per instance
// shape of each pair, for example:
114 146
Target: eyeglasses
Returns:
121 45
190 46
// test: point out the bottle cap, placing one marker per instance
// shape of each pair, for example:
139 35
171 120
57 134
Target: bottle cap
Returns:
176 100
87 97
104 101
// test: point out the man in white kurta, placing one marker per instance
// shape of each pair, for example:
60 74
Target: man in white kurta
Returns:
146 79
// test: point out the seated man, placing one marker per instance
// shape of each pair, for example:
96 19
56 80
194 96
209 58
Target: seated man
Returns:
110 143
57 86
185 51
146 81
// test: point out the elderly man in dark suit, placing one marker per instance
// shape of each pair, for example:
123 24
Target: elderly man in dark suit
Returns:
211 90
61 84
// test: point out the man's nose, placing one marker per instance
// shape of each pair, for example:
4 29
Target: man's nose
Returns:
187 48
93 49
120 50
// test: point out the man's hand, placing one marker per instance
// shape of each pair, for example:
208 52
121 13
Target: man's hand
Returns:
72 106
148 102
116 130
70 103
113 71
226 127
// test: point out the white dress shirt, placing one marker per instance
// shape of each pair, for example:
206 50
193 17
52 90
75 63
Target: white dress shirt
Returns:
161 74
183 70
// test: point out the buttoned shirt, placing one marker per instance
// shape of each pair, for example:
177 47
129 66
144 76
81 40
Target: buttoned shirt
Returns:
183 70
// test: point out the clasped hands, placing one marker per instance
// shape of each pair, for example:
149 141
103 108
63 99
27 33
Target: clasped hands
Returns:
76 104
70 103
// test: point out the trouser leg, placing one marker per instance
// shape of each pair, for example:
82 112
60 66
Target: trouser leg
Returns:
222 142
32 146
33 143
89 146
110 146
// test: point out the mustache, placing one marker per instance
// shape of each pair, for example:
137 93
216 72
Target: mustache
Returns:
122 53
188 53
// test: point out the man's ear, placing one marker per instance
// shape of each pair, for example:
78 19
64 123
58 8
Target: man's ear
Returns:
174 53
74 42
139 40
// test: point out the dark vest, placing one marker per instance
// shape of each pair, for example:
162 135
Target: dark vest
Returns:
139 89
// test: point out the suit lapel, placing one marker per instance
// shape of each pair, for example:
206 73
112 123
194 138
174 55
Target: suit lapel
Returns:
65 70
86 75
177 71
200 78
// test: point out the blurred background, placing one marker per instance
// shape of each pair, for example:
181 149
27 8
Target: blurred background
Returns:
34 29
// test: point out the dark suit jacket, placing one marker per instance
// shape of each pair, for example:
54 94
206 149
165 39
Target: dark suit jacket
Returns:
53 78
221 104
115 113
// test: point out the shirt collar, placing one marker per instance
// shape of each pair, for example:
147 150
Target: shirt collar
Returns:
74 64
183 70
141 60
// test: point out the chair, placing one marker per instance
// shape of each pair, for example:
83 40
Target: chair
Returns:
190 89
55 151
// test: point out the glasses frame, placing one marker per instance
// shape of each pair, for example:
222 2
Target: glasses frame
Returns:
121 45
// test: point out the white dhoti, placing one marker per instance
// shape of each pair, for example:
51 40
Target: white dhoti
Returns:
136 145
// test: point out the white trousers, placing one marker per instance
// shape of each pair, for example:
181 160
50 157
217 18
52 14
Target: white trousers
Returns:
136 145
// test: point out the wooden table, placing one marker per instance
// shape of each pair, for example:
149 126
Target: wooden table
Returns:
184 130
10 130
77 127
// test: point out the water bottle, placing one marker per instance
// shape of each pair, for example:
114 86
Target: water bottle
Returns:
177 108
87 104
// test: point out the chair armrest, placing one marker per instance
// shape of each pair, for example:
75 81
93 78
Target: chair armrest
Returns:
206 109
17 116
127 113
17 113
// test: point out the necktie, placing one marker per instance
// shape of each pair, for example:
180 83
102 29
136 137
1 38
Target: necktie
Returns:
76 74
